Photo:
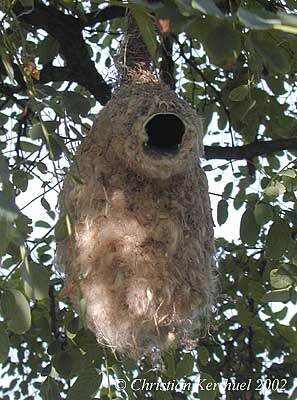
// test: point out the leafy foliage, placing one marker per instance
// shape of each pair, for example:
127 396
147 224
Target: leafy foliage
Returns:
235 62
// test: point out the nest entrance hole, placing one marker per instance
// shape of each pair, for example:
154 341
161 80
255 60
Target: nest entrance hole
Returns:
164 134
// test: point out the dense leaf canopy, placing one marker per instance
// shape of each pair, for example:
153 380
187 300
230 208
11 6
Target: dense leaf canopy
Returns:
235 62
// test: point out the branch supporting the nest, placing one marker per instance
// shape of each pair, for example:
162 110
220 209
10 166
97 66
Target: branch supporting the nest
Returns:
106 14
250 151
49 73
134 61
67 31
167 63
80 68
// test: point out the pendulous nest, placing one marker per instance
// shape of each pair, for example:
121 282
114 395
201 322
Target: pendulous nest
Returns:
142 250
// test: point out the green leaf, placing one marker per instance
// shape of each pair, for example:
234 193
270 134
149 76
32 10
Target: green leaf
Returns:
4 344
239 93
63 228
36 280
23 226
54 147
20 179
255 289
282 295
275 189
279 280
8 209
249 229
63 363
184 7
210 387
53 142
47 49
54 347
35 131
29 147
288 333
293 321
278 239
280 315
3 119
207 7
86 385
16 311
203 355
276 84
289 19
239 199
5 233
257 19
275 58
228 190
263 213
147 29
290 184
49 389
223 44
261 19
185 366
7 65
288 23
42 224
290 172
75 103
45 204
73 326
4 169
222 211
244 315
170 364
41 167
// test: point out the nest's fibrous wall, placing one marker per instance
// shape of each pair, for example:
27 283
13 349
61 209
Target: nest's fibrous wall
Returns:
141 253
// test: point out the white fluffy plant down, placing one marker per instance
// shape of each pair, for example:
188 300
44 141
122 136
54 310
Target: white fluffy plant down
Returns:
141 254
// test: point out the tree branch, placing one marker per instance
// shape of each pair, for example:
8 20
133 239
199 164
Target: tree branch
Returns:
49 73
250 151
167 63
105 14
81 69
67 31
8 90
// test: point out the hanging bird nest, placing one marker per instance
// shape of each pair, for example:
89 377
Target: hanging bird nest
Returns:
141 254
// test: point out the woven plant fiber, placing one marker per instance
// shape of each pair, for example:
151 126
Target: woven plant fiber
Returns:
141 254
